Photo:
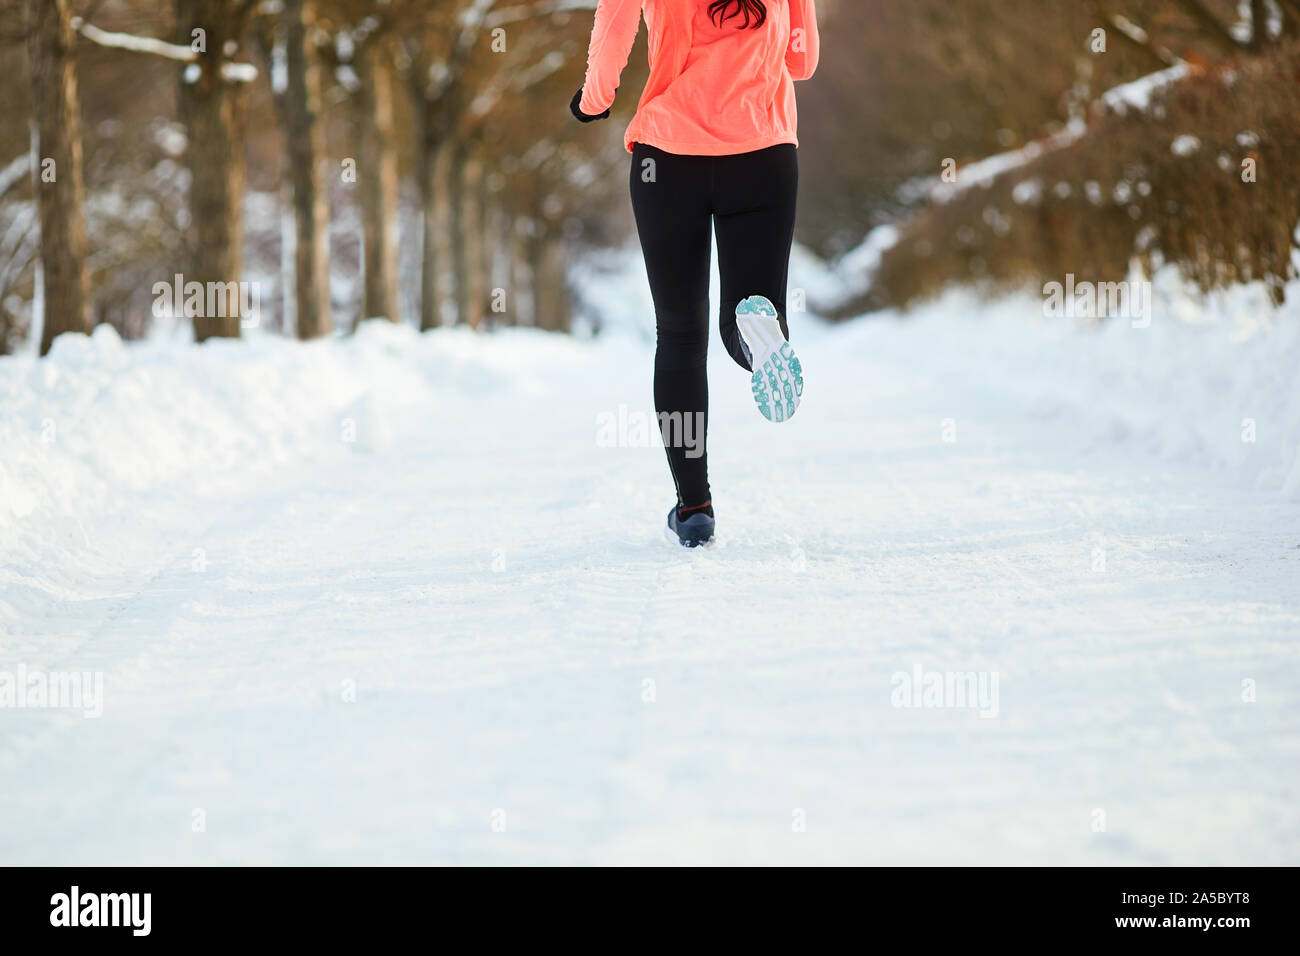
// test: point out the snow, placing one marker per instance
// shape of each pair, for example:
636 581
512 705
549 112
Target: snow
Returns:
14 172
135 44
847 278
1135 95
1028 193
231 72
984 171
385 598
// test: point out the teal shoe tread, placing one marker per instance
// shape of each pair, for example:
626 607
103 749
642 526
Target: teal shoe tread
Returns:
778 385
756 305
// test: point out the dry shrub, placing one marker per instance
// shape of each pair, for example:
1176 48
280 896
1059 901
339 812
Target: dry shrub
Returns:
1123 193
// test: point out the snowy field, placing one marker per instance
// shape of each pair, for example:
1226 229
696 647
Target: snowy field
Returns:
395 599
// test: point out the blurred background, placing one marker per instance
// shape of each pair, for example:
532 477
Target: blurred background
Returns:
415 160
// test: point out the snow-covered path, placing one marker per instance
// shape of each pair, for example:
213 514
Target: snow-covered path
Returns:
461 637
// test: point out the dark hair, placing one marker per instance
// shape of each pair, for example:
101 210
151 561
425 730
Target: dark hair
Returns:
755 12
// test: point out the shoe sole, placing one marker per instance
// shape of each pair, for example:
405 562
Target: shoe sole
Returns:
671 537
777 382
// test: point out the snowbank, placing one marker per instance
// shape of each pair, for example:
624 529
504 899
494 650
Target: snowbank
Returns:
1211 384
99 426
104 430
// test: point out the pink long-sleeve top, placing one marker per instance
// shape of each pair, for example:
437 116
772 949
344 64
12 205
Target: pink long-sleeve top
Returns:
713 90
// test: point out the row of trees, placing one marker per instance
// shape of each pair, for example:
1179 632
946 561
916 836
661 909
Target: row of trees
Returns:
466 95
413 159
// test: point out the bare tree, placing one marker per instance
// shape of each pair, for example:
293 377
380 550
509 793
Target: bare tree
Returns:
19 241
213 106
439 58
58 175
377 178
464 73
362 55
300 108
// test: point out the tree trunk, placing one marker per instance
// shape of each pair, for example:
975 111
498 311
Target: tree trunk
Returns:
496 236
432 167
214 117
519 311
58 175
377 172
550 283
430 293
288 320
467 236
458 183
474 225
305 141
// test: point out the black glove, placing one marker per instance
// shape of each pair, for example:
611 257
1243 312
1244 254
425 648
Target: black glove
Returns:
576 109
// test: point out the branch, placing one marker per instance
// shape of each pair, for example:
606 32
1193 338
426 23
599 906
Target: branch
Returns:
1140 39
532 11
515 81
135 44
1290 17
230 72
473 22
244 9
17 248
1258 25
91 9
1214 30
14 173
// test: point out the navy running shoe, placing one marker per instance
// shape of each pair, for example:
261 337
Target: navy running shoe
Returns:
693 526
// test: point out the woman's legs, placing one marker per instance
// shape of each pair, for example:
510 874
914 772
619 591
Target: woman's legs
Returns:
678 201
671 202
754 210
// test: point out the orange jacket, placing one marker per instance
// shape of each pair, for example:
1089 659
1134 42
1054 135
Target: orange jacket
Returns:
713 91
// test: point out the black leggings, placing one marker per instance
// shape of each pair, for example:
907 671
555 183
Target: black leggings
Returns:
749 200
